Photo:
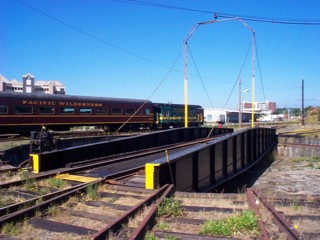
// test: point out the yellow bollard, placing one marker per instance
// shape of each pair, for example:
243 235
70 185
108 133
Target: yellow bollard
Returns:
151 179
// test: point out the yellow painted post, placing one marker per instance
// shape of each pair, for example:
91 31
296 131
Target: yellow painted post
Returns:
151 179
35 163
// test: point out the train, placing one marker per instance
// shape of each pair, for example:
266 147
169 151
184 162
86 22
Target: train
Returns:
25 112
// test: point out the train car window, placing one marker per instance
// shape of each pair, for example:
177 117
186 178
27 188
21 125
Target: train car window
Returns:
116 111
147 111
85 110
67 110
101 110
22 109
46 110
3 109
130 111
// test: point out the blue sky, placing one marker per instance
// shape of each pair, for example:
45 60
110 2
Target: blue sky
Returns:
123 48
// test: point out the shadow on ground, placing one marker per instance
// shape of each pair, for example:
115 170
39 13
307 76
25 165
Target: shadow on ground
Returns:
248 178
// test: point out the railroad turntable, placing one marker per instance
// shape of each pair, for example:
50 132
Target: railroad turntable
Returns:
106 197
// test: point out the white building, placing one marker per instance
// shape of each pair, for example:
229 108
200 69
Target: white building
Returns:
29 85
215 115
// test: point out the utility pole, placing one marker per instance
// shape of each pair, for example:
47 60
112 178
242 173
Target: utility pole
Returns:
252 98
302 101
240 104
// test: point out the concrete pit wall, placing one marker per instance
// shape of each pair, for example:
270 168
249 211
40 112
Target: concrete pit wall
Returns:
297 146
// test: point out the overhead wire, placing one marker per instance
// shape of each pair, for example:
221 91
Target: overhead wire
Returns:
114 46
237 79
235 83
154 91
146 3
89 35
264 95
227 15
204 87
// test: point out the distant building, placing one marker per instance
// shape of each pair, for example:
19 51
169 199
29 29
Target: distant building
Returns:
214 115
29 85
260 107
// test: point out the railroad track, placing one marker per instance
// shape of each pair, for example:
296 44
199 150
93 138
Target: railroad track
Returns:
122 161
295 218
78 215
113 210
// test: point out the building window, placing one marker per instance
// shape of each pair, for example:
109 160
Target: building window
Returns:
116 111
85 110
46 110
101 110
67 110
3 109
22 109
28 89
147 111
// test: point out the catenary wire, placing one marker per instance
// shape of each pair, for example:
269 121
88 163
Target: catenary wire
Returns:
204 87
227 15
91 35
237 79
264 95
154 91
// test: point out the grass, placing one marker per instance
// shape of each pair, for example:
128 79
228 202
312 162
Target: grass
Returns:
150 236
53 210
244 223
170 207
10 229
311 162
163 226
56 183
92 191
315 159
29 184
6 200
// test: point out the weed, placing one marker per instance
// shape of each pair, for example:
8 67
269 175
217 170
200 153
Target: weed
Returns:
311 165
5 200
92 191
29 184
53 210
150 236
163 226
170 237
246 221
170 207
296 205
10 229
38 213
113 199
56 183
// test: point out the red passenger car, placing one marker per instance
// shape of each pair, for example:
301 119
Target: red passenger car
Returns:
60 112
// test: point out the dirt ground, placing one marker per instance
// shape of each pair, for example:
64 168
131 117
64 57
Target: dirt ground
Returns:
291 176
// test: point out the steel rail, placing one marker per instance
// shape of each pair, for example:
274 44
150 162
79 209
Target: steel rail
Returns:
31 211
99 163
143 152
150 220
18 206
278 219
252 204
116 225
